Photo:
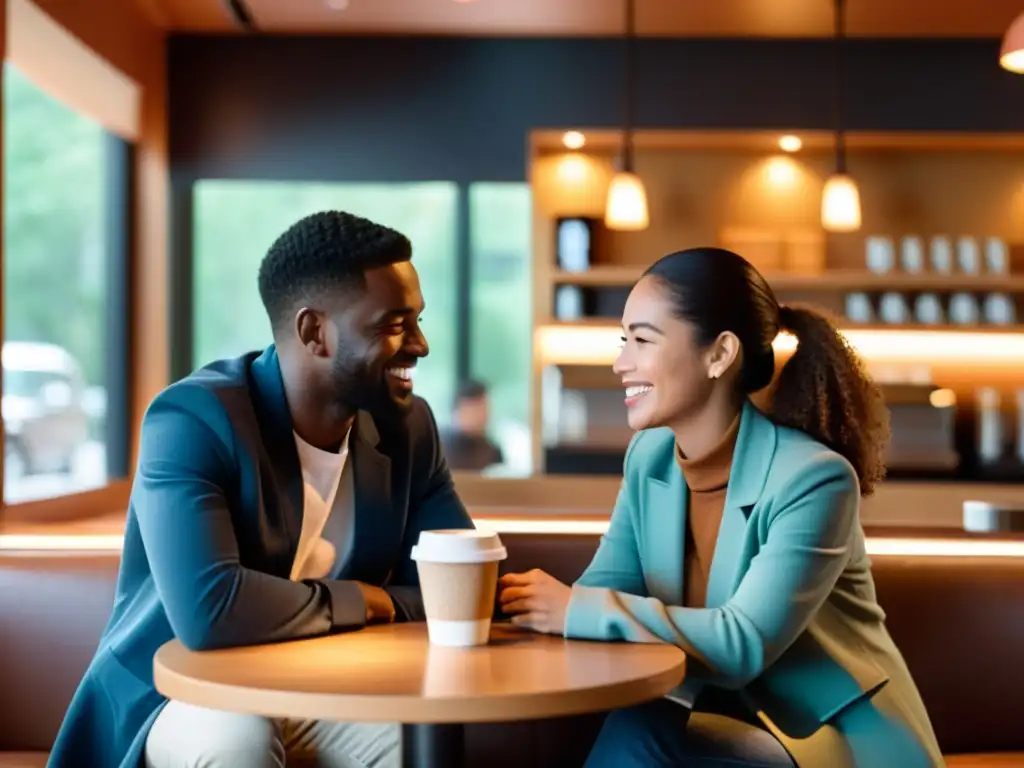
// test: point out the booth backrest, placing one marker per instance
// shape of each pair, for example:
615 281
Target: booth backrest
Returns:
958 621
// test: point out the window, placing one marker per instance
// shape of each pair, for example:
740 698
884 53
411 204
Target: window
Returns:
236 221
63 245
501 293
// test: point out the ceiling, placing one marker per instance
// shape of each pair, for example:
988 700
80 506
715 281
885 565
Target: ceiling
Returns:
660 18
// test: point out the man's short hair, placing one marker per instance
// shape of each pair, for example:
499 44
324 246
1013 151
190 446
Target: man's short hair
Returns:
324 251
470 389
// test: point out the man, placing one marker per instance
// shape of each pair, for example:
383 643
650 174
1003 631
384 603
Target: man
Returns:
466 444
277 496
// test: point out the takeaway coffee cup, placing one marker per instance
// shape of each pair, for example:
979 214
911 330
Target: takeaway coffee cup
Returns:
458 577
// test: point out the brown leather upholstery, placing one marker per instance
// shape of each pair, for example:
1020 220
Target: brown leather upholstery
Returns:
993 760
23 759
958 624
53 608
957 621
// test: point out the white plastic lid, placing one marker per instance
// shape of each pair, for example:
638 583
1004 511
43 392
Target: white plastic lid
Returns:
459 546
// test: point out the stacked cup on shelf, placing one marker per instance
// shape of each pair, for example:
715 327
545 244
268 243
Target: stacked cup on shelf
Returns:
943 257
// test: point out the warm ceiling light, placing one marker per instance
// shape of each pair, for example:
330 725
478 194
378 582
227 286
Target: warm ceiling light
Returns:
337 5
573 140
781 172
1011 56
942 398
840 204
626 209
790 143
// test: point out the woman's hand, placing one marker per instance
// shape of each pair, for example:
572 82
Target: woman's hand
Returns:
535 600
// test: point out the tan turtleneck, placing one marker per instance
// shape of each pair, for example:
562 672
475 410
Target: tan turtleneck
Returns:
707 478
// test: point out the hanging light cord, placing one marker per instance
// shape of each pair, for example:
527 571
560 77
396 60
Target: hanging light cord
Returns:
627 122
838 46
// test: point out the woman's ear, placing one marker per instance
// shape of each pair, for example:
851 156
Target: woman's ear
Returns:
722 354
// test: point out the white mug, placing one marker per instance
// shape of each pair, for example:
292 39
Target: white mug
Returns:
967 256
912 254
879 254
942 254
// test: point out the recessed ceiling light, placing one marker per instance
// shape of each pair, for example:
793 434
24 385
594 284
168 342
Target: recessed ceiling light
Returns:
790 143
337 5
573 139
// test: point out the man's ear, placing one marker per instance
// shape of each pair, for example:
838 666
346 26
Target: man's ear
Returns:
311 331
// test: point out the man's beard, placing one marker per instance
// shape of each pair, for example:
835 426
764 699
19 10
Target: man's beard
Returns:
357 386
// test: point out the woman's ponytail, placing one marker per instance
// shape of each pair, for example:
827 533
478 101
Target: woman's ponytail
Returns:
824 391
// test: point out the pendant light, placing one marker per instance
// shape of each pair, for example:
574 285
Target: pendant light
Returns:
840 199
1011 55
626 207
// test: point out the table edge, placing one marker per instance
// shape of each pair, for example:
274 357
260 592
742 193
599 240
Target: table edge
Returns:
370 708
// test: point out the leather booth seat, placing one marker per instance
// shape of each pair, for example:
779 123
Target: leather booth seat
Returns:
957 620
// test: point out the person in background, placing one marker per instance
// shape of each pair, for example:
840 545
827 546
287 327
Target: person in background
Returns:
277 496
736 536
466 444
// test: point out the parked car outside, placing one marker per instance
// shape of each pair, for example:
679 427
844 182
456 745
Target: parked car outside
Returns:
45 423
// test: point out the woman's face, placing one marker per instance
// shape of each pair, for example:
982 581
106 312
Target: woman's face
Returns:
666 375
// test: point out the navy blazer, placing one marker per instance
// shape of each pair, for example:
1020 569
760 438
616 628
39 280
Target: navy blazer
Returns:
213 525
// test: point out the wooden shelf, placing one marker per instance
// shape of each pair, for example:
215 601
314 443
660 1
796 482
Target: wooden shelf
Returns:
830 281
610 323
599 277
709 186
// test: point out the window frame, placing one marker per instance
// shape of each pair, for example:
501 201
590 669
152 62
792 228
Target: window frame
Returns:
119 229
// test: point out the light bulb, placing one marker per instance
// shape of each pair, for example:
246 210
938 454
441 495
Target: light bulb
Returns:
626 208
840 204
790 143
1011 55
573 139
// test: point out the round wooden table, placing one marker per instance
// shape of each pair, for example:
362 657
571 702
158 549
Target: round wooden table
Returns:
391 673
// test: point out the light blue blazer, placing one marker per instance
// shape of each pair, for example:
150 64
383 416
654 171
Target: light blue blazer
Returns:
791 620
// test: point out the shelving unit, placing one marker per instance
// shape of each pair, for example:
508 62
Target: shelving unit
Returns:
839 280
701 183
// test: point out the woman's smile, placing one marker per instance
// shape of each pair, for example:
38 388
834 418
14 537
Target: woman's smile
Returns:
635 391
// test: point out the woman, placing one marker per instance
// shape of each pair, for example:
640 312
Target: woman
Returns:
736 537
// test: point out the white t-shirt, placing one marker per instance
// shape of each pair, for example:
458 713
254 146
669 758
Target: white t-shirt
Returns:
328 500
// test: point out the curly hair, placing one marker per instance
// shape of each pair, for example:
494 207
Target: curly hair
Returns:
822 390
324 251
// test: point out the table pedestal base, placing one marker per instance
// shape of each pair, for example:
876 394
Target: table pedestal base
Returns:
432 746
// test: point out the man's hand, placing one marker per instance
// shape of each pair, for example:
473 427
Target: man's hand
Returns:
379 608
537 600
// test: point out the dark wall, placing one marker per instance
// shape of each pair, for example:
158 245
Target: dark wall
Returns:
433 108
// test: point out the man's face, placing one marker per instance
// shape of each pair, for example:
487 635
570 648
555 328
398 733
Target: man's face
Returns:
472 415
374 341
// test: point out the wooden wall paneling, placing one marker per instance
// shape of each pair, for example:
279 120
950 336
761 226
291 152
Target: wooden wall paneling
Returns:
123 34
705 186
126 36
